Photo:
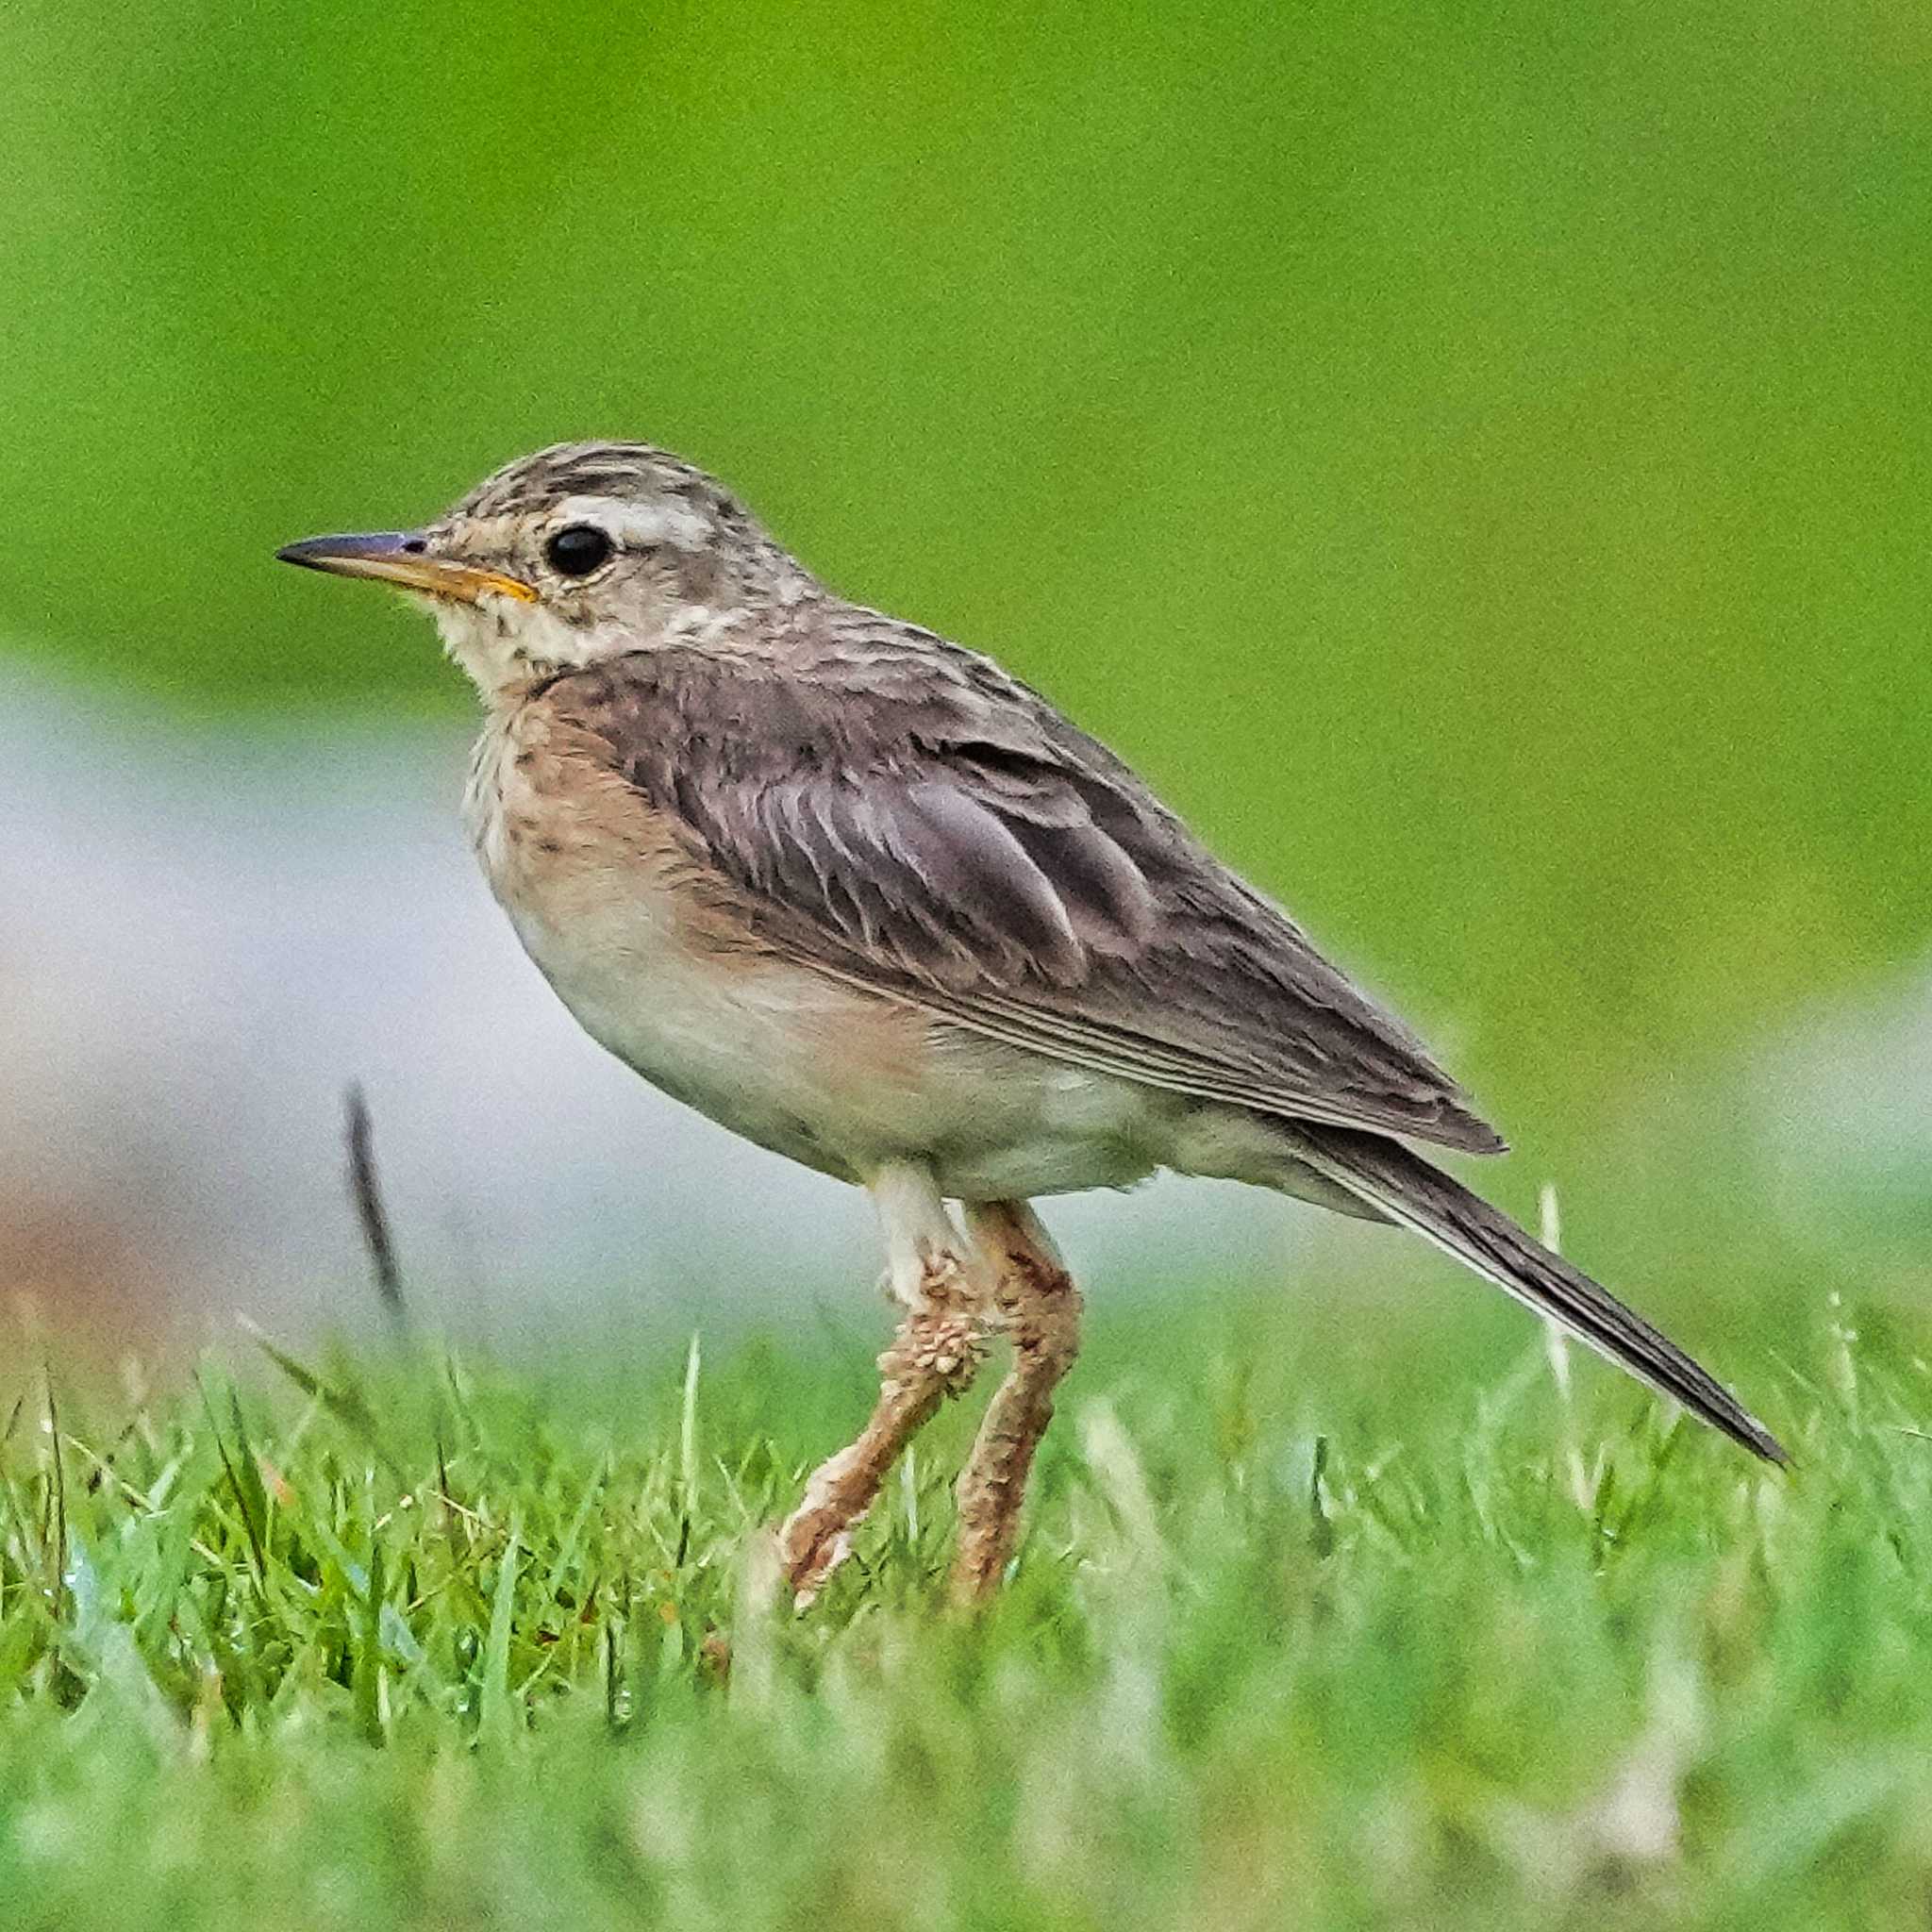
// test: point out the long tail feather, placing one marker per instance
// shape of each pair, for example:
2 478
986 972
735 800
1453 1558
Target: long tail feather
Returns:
1411 1192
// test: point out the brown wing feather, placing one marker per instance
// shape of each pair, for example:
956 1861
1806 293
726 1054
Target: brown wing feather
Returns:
913 821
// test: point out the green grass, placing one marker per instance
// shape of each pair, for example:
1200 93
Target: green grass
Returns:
433 1645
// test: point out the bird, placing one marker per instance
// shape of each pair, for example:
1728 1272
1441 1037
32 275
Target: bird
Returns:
859 895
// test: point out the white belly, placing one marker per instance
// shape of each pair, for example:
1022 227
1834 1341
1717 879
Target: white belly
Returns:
843 1082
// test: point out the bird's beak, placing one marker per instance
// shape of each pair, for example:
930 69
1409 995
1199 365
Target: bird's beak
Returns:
405 558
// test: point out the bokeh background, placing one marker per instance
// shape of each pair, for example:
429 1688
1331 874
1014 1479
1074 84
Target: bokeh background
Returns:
1473 459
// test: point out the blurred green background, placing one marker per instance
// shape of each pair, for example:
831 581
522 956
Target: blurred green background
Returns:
1473 457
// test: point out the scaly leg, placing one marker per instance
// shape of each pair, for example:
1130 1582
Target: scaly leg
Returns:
935 1354
1039 1309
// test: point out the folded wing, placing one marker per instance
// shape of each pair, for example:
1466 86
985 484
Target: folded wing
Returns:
912 820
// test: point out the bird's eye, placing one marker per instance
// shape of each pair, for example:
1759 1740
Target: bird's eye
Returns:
577 549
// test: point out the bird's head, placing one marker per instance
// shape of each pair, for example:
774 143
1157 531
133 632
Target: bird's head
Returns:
581 551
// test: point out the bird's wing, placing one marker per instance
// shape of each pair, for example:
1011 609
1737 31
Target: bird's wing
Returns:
908 818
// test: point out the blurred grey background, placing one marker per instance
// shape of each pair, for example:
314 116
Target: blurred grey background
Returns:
217 925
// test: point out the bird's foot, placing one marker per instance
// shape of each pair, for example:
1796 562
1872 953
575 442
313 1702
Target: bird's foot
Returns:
935 1355
1039 1309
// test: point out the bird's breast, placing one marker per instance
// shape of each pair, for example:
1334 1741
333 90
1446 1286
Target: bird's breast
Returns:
643 945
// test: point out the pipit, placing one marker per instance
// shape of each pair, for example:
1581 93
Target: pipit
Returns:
856 893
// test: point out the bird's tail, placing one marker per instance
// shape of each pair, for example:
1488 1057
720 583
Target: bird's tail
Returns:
1406 1189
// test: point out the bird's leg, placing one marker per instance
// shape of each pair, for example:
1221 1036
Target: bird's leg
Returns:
1039 1306
939 1347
